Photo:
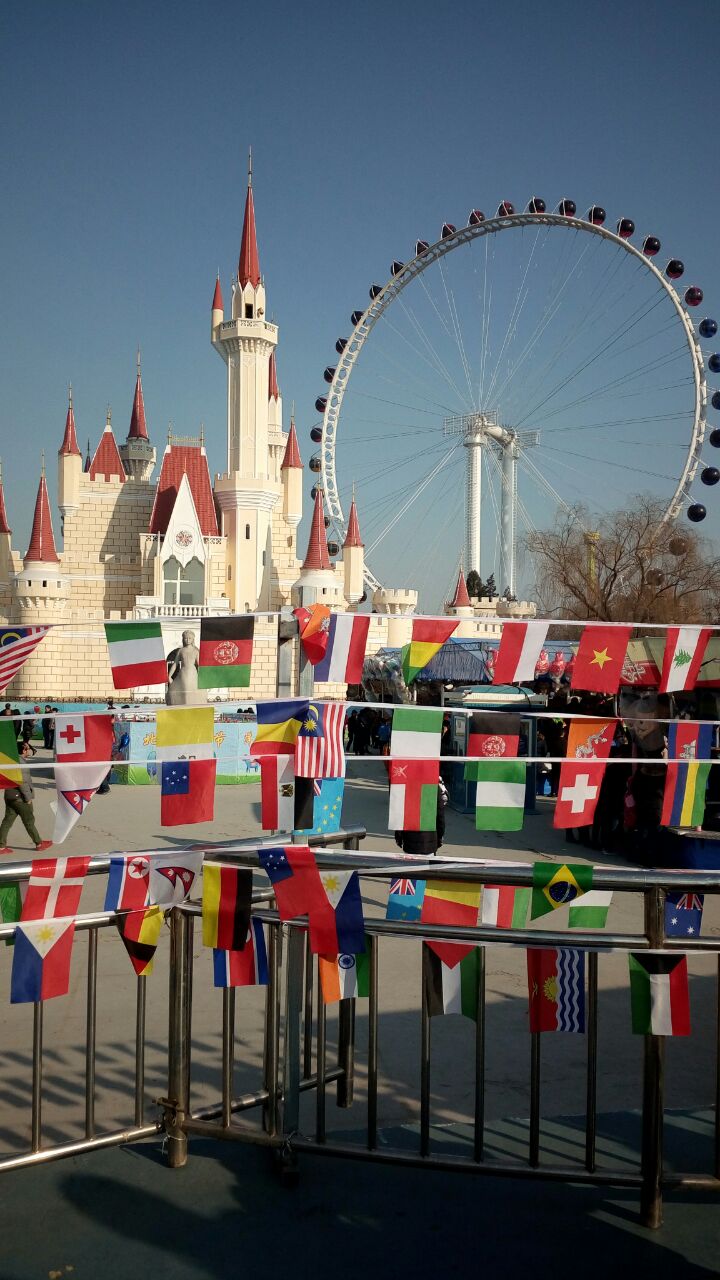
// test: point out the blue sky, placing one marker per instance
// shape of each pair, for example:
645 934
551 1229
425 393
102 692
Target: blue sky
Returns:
125 134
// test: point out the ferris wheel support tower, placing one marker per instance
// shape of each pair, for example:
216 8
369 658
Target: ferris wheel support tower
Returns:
483 431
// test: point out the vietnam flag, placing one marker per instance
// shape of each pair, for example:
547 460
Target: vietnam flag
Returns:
226 646
428 635
599 659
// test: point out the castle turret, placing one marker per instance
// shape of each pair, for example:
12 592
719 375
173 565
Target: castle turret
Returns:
107 463
40 589
137 454
218 309
69 466
353 559
461 607
318 581
5 539
291 469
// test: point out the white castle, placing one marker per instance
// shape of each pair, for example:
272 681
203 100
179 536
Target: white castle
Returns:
180 546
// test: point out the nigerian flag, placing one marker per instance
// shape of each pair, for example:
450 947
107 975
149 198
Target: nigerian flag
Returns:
499 795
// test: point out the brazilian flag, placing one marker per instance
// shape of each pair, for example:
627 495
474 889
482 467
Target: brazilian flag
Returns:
555 886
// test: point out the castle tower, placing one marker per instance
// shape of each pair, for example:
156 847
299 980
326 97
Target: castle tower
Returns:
5 540
137 454
107 464
318 582
291 469
69 466
40 589
353 559
218 309
250 490
461 607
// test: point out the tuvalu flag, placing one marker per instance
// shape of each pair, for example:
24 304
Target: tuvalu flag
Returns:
428 636
226 646
41 960
226 906
581 774
10 775
450 902
686 783
600 657
413 795
83 749
246 968
318 805
556 989
278 725
683 657
405 899
140 932
186 751
659 995
555 886
451 988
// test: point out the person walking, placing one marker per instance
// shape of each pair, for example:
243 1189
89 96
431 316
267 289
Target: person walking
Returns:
48 728
19 804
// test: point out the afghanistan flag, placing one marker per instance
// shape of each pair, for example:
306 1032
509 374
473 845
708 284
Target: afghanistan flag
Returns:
9 776
226 646
686 783
659 995
428 635
555 886
226 906
499 794
137 653
492 736
344 977
556 989
451 988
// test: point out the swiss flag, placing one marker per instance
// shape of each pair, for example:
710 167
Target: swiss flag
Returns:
600 657
589 743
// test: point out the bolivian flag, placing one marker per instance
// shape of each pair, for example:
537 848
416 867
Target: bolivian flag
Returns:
428 635
9 776
226 646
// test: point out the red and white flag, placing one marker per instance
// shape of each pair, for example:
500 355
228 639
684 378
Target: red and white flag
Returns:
520 648
83 747
413 795
277 793
54 888
683 657
16 645
581 775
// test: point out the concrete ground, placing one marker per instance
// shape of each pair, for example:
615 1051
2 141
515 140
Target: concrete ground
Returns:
211 1203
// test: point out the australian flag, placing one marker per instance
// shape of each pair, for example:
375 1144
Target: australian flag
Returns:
683 914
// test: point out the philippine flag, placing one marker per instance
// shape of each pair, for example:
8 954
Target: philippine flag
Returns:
342 662
41 960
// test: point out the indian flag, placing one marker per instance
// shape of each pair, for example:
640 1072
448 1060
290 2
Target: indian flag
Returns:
592 910
137 653
659 994
416 732
500 794
428 635
344 977
451 989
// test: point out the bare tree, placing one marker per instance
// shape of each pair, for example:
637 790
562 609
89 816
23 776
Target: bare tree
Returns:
628 565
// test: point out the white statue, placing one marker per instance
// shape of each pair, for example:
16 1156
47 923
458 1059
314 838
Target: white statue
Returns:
182 687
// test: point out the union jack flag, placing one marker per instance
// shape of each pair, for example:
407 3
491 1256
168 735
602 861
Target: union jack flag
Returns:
690 902
403 887
683 914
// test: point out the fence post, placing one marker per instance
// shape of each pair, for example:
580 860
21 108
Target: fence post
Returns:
294 992
653 1086
178 1038
346 1053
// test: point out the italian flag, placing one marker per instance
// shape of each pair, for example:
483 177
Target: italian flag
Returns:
428 635
505 906
451 988
499 794
344 977
659 995
416 732
137 653
683 656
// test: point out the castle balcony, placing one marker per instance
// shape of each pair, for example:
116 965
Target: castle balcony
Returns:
151 607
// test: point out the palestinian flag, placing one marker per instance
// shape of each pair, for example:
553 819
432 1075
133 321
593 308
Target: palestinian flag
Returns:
592 910
659 994
9 776
226 906
505 906
499 794
555 886
451 989
416 732
137 653
428 635
226 646
344 977
140 932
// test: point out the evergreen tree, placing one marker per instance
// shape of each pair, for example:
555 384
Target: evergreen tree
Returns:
474 584
489 588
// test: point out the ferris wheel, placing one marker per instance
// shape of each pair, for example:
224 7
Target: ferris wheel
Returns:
522 364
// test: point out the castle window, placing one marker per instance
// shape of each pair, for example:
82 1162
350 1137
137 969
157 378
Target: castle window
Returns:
247 531
44 583
263 559
183 585
248 310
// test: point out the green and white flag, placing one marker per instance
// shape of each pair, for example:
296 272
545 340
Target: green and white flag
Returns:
416 732
500 794
10 907
659 994
137 653
451 989
591 912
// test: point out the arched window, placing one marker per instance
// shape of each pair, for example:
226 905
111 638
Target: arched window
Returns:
183 585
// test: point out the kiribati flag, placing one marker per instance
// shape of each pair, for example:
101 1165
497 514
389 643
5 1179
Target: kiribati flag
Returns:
41 960
685 783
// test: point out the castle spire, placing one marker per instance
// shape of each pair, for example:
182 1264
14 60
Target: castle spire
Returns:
461 599
138 425
42 541
217 302
249 263
317 556
291 457
4 526
352 537
69 444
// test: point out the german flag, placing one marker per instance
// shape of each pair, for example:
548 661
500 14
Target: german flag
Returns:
226 646
226 906
140 932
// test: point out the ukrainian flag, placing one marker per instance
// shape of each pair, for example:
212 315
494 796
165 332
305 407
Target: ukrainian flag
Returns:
278 726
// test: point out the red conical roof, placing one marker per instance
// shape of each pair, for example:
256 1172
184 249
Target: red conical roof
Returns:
70 444
317 553
138 426
42 541
107 464
217 302
273 390
461 599
352 537
291 457
249 264
4 526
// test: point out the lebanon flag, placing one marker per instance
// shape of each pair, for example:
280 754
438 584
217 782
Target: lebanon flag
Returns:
226 646
342 662
589 743
413 795
83 747
683 656
520 647
659 996
137 653
599 659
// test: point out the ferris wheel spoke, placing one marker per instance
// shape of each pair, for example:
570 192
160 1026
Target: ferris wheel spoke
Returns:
608 462
613 385
413 498
450 299
435 364
520 299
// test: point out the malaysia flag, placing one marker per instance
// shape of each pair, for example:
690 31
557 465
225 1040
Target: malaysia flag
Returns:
54 888
342 662
319 751
41 960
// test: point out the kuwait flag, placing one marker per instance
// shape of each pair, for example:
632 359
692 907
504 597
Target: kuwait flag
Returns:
344 977
226 646
592 911
41 960
505 906
451 988
683 656
520 648
226 906
556 989
413 795
450 902
246 968
499 794
599 659
10 775
659 995
137 653
428 635
342 662
185 749
416 732
555 886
